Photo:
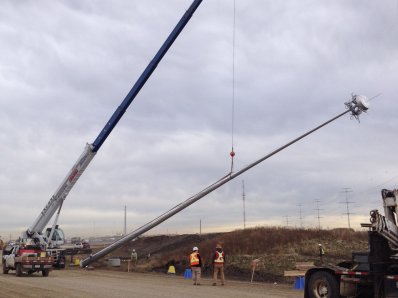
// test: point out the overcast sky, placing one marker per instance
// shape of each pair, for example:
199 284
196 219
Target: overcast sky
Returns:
65 66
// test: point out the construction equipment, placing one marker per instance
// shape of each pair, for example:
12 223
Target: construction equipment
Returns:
372 273
53 239
28 258
355 106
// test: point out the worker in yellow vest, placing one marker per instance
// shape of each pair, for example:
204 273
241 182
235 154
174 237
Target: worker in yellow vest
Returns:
195 262
218 265
321 252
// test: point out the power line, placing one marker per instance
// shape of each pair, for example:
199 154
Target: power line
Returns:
346 190
301 215
318 209
287 220
233 75
232 153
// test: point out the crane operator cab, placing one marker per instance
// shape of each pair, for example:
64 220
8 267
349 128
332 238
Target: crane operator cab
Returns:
57 238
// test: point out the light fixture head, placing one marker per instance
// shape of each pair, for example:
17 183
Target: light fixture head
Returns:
357 105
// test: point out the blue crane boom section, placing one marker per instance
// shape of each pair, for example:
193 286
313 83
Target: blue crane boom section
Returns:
90 150
117 115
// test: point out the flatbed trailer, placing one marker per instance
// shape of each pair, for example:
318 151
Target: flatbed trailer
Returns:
372 273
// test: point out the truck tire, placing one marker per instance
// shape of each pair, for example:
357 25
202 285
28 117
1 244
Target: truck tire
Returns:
5 269
18 270
45 272
323 284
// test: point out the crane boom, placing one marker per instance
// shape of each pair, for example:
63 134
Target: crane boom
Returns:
63 190
144 77
90 150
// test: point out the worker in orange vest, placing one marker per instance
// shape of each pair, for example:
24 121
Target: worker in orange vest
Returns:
195 262
218 265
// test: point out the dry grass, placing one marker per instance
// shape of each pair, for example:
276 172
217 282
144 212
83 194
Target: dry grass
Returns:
277 249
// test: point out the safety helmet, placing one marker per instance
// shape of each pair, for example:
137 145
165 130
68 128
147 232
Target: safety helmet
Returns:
195 248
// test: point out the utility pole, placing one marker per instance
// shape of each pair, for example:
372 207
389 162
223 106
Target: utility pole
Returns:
200 226
318 209
346 190
125 216
244 207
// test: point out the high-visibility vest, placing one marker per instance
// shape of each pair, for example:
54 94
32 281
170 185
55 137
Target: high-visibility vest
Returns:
194 259
219 257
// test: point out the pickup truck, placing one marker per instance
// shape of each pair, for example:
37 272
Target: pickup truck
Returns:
26 259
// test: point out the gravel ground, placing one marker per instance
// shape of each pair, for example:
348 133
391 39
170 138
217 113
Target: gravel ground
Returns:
103 283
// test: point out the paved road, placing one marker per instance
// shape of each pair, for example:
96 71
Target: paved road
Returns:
102 283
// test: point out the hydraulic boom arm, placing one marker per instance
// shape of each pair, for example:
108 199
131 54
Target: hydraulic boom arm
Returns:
90 150
386 225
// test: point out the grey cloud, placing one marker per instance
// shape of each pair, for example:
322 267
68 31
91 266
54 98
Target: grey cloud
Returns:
65 66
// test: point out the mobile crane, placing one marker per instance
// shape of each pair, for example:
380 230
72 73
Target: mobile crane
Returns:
372 273
53 238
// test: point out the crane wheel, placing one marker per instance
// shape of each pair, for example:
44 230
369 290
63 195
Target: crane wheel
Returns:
45 272
5 269
18 270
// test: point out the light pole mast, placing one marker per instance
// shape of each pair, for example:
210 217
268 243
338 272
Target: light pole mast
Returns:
244 207
125 220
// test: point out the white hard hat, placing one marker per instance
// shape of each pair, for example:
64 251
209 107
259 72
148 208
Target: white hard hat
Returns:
195 249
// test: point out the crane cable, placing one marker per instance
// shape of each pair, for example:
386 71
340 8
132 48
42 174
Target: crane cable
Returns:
232 153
